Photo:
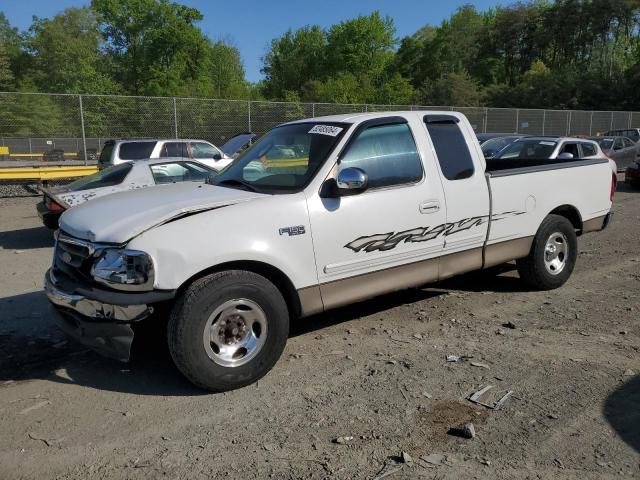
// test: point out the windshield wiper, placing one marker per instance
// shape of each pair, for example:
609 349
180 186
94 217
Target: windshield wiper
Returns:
233 181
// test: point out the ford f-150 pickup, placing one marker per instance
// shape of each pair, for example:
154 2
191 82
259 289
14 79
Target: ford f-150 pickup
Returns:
317 214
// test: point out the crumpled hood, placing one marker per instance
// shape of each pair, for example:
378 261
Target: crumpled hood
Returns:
119 217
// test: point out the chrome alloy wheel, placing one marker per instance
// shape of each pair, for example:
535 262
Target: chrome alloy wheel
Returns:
556 252
235 332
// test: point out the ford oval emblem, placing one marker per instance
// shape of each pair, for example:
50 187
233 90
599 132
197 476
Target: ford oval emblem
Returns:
66 256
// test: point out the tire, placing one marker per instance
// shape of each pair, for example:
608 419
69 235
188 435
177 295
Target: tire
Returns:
546 270
234 306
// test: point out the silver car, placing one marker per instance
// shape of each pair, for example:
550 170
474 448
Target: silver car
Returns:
620 149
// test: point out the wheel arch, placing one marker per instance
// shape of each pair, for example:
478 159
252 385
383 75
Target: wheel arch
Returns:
572 214
276 276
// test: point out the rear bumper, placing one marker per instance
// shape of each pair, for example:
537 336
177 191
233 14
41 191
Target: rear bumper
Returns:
103 327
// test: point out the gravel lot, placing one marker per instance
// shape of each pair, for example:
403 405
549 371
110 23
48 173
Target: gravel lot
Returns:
375 371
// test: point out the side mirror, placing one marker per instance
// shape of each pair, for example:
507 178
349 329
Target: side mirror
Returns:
350 181
565 156
217 156
489 154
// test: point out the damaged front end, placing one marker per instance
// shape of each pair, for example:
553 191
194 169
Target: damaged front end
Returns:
94 314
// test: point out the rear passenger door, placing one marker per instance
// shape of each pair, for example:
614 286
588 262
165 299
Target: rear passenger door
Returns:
466 193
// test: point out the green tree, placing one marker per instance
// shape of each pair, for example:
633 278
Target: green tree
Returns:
457 88
66 54
7 80
362 46
155 44
293 60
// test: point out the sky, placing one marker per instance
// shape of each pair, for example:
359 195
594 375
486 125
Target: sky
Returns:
250 25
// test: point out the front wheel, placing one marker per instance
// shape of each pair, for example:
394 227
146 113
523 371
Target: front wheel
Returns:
228 329
553 255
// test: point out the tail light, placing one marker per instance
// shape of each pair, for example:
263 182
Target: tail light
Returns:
53 205
613 187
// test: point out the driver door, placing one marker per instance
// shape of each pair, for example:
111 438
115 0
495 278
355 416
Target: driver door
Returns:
389 236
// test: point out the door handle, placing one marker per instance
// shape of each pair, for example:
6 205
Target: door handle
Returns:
431 206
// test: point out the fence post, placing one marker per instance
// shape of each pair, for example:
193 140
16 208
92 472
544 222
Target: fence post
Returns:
486 119
629 125
313 110
611 127
175 118
569 124
84 137
591 124
544 120
517 120
249 115
30 150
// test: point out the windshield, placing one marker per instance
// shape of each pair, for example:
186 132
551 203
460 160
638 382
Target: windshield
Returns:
285 159
494 145
534 149
104 178
237 143
605 143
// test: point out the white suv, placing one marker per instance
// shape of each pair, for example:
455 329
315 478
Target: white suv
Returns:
115 152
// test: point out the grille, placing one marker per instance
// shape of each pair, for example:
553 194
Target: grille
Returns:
73 252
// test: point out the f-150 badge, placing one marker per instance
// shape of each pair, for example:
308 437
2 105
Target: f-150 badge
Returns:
291 231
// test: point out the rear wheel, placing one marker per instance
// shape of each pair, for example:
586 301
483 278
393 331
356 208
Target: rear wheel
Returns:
228 330
553 255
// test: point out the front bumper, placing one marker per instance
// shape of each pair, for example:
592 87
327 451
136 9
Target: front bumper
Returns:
103 327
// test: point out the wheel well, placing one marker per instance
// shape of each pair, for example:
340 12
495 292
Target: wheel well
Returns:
271 273
571 213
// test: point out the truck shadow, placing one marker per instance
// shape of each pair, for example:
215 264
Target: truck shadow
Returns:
622 411
26 239
32 347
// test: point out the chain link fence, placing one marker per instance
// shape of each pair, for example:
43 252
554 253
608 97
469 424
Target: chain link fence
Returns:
33 125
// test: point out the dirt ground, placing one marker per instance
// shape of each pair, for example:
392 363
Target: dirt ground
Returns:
375 371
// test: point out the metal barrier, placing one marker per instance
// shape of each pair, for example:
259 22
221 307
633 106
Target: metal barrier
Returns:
46 173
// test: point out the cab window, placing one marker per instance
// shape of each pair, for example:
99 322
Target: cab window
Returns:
451 147
387 154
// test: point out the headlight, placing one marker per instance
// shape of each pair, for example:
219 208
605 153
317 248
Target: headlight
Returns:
124 270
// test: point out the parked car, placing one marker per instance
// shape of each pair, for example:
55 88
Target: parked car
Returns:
493 146
551 148
632 175
375 203
620 149
118 178
632 133
92 154
115 152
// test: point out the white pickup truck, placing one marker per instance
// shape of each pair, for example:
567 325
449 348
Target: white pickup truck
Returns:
317 214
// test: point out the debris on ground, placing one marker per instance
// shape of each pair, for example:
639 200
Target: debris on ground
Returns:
342 440
475 398
433 458
480 365
509 325
468 430
629 373
49 442
452 358
391 465
406 458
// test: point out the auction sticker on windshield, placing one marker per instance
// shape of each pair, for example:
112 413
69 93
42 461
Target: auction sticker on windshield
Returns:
326 130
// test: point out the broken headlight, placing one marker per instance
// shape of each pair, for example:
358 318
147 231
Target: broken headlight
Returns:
124 269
